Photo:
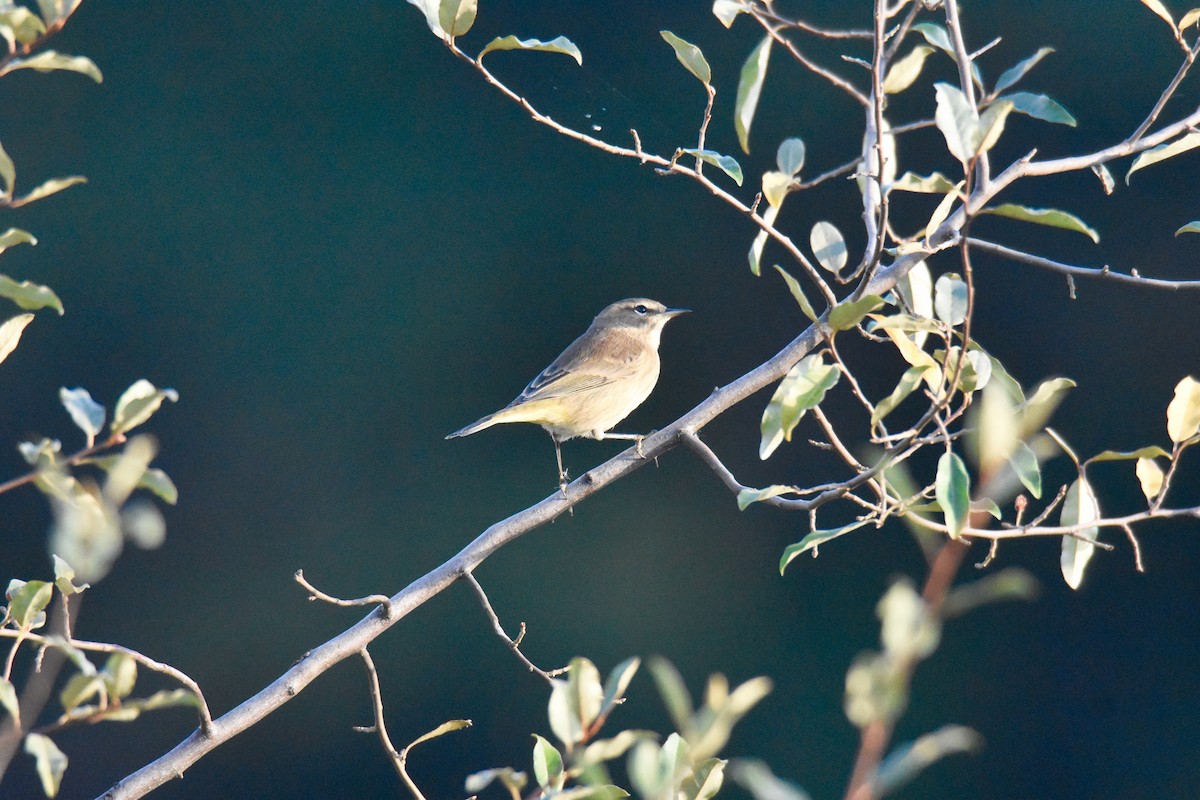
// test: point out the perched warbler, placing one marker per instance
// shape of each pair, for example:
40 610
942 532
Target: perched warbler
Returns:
596 382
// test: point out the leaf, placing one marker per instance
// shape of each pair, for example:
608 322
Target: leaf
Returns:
1106 179
828 246
950 299
618 682
51 61
575 702
1183 414
762 784
64 577
1189 19
441 730
847 314
775 186
905 71
790 156
991 124
1163 152
432 11
457 16
803 388
909 759
1153 451
27 600
798 294
673 691
814 540
760 240
1150 476
750 83
1039 106
727 164
1191 227
547 763
1025 464
705 780
942 211
748 497
85 412
690 56
52 186
153 479
909 381
936 35
30 296
10 333
1013 74
51 762
1079 508
727 10
953 492
511 779
559 44
8 173
120 675
967 133
14 236
20 25
1158 8
1052 217
935 183
608 749
138 403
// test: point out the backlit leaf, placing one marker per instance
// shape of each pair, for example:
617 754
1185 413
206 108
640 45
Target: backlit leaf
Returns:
727 164
85 412
847 314
51 762
690 56
1150 476
457 16
30 296
935 183
750 83
1183 414
790 156
10 333
747 497
814 540
1013 74
138 403
52 186
1044 216
803 388
559 44
1039 106
905 71
797 293
828 246
953 492
950 299
1079 508
51 60
1191 227
1163 152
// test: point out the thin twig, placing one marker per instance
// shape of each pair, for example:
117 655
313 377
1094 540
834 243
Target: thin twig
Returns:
1098 273
1168 93
514 645
380 726
72 460
314 593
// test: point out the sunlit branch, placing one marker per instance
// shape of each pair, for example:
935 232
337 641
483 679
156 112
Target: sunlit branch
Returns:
1104 273
316 594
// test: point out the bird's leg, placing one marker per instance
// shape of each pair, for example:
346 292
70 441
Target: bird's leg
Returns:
562 473
636 438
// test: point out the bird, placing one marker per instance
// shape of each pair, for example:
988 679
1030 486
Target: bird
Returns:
596 382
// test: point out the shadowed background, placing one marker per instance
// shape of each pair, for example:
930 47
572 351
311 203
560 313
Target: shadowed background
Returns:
338 245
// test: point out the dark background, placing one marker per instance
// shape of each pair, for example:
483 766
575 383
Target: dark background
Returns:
338 245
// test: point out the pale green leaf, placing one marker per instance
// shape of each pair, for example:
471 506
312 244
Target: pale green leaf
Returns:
1161 11
1039 106
607 749
8 699
750 83
8 173
1191 227
1189 19
828 246
1079 508
432 11
21 24
905 71
85 412
547 763
457 16
10 333
1025 464
673 691
52 186
956 120
1183 413
790 156
1037 410
991 124
769 215
51 60
775 186
441 730
1044 216
942 211
690 56
705 780
727 164
618 681
1152 451
803 388
904 322
27 600
727 10
953 492
511 779
813 541
936 35
950 299
51 762
1150 477
748 497
1106 179
120 675
847 314
138 403
64 577
559 44
1163 152
153 479
1013 74
915 288
14 236
909 381
909 759
798 294
30 296
935 183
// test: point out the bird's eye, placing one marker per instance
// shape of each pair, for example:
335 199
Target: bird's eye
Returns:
640 309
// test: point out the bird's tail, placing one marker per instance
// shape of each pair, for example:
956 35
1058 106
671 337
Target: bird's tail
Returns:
475 427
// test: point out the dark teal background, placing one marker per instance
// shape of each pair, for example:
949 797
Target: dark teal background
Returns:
338 244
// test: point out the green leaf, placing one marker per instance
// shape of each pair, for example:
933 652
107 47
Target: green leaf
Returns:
14 236
1191 227
559 44
432 11
936 35
547 763
120 675
762 784
1037 410
909 759
847 314
52 186
775 186
51 762
950 299
153 479
1189 19
905 71
936 183
1025 465
1161 11
790 156
20 25
1153 451
607 749
575 702
750 84
953 492
64 577
813 541
1107 182
798 294
1079 508
727 11
1013 74
1039 106
30 296
705 780
908 383
727 164
673 691
51 61
441 730
957 121
8 699
10 333
457 16
138 403
510 778
1044 216
748 497
828 246
618 682
760 240
1150 477
803 388
27 602
85 412
8 173
1183 413
690 56
1163 152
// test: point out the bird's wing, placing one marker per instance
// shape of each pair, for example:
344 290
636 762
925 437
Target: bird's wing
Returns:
571 373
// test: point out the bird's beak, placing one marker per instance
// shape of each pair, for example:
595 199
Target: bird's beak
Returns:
675 312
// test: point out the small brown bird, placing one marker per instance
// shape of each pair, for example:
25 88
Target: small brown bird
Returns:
596 382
